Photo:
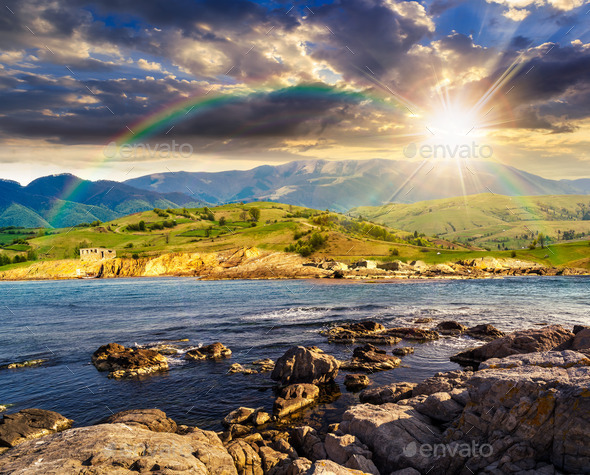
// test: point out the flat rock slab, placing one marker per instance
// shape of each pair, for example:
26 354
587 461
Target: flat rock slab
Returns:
519 342
120 449
150 419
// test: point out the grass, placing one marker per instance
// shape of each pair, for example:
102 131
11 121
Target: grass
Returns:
488 220
276 229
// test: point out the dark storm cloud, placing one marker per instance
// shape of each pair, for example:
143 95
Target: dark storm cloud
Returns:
291 112
68 118
549 90
370 33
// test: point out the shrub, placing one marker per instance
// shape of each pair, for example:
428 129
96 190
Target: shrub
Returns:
513 254
135 255
394 252
254 213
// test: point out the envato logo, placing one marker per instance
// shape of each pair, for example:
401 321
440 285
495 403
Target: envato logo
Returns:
473 150
157 150
452 450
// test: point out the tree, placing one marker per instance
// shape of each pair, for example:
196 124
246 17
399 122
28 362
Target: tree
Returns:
244 215
142 225
541 240
254 213
222 221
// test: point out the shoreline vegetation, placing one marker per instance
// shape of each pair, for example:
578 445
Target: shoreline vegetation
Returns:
254 263
519 404
288 241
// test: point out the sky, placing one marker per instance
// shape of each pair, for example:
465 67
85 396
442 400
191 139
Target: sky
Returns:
115 90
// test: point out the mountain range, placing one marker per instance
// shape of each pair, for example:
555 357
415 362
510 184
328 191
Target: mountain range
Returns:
66 200
341 185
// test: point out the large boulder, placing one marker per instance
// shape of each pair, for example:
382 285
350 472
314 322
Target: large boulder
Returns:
238 416
340 448
150 419
527 413
442 382
30 424
307 442
213 351
393 433
356 382
246 458
370 358
305 365
120 449
519 342
440 407
533 410
579 342
123 362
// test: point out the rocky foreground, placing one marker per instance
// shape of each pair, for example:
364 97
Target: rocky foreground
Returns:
253 263
523 407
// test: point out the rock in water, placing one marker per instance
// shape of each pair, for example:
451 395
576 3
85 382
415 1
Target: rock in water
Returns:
409 333
239 416
371 358
150 419
30 424
484 332
295 397
364 332
519 342
210 352
120 449
305 365
124 362
24 364
450 327
356 382
403 351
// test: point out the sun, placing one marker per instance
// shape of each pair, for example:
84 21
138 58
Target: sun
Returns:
454 124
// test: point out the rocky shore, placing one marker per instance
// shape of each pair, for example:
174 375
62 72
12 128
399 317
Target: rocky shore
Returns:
521 404
253 263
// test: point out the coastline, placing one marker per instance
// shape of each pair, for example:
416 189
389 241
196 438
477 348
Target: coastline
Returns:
255 264
493 403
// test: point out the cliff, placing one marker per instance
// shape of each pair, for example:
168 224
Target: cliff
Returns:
246 263
253 263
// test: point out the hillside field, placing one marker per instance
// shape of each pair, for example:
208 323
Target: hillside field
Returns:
490 221
278 227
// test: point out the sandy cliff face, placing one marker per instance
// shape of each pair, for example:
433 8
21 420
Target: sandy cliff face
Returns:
247 263
253 263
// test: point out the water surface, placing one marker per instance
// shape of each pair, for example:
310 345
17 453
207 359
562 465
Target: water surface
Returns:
66 321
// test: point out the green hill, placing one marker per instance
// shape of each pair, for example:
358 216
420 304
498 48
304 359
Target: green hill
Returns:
490 221
278 227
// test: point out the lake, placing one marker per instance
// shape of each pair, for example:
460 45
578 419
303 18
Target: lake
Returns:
66 321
